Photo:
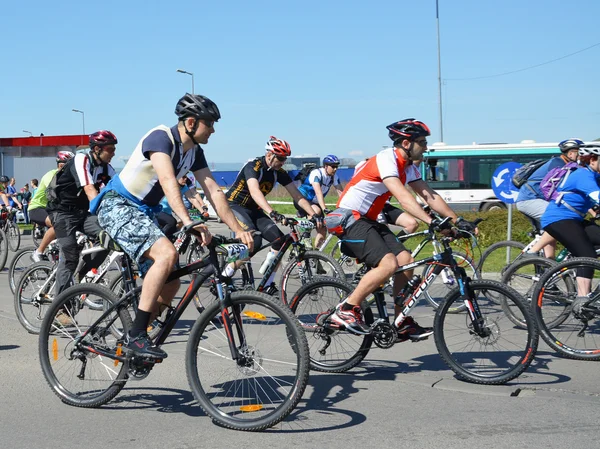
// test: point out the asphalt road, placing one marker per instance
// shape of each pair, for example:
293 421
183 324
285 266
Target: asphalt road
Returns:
401 397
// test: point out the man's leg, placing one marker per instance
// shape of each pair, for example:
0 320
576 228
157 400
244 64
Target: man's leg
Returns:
91 228
65 227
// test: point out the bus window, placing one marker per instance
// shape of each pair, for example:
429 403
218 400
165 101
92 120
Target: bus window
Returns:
446 173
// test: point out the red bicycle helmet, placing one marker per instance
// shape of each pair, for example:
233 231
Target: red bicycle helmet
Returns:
101 138
279 147
63 156
408 129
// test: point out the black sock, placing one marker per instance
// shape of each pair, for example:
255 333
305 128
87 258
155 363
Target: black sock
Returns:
346 306
140 324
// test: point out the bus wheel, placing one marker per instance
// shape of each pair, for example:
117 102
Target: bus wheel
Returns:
495 206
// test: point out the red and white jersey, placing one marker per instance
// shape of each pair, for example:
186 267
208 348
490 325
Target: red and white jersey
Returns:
366 193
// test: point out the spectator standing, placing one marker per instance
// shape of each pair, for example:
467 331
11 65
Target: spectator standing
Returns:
25 198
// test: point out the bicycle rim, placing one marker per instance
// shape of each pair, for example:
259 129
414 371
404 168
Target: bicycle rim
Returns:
502 351
575 336
77 375
332 350
260 391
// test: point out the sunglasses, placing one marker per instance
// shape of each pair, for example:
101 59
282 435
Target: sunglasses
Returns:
422 142
335 167
280 158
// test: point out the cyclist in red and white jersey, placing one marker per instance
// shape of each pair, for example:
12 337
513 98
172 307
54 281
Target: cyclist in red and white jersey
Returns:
373 243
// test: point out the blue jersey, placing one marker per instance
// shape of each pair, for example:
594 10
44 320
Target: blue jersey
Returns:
317 175
531 189
582 191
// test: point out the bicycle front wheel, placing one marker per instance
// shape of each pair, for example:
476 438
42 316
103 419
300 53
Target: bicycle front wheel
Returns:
79 369
33 295
21 261
14 236
332 350
266 380
301 271
573 335
496 350
497 258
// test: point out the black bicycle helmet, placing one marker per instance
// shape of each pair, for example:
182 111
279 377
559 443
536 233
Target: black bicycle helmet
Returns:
407 129
4 179
197 106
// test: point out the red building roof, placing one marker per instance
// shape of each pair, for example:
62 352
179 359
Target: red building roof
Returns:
45 141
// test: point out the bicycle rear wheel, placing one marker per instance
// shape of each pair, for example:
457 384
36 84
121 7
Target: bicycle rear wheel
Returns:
14 236
573 335
332 350
37 234
493 262
260 389
78 369
33 295
299 272
497 353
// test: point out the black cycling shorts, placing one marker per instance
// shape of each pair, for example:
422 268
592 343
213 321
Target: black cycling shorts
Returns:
257 220
370 241
301 212
391 213
38 216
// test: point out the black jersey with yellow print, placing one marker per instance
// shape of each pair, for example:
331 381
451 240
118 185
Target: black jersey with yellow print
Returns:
267 178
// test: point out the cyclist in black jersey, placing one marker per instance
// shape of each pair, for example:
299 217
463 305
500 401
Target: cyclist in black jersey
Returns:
247 197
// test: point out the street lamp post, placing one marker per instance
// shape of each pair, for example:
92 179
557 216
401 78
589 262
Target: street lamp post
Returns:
437 20
28 132
82 118
188 73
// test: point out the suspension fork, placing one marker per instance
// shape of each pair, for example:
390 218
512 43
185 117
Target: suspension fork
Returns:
226 303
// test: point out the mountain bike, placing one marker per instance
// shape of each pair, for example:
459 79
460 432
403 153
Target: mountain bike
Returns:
246 359
481 344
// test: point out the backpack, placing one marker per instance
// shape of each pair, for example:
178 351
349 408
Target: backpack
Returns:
303 174
524 173
51 193
554 179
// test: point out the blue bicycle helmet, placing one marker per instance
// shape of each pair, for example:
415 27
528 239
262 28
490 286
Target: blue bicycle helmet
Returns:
570 144
331 159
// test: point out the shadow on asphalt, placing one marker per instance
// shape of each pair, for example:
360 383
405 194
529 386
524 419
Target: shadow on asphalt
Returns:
8 347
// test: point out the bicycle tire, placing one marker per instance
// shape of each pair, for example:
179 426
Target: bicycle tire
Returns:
310 302
287 354
568 337
55 336
321 262
35 276
464 261
14 236
473 364
495 256
18 265
523 275
3 249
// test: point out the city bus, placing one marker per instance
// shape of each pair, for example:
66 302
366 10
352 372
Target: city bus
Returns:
462 174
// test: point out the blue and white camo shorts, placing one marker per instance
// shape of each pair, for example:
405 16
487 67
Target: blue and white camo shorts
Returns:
132 229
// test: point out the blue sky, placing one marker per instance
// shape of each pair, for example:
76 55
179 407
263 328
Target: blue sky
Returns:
327 76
